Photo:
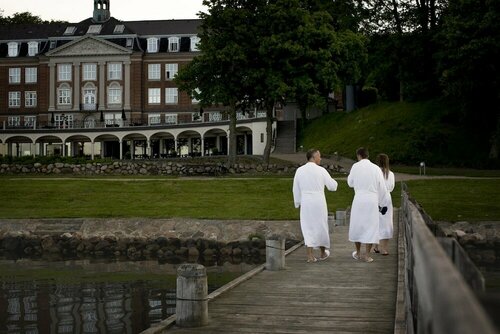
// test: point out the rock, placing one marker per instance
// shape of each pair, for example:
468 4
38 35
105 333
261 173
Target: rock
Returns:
193 252
459 233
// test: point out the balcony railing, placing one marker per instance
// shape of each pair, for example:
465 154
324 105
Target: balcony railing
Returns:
145 121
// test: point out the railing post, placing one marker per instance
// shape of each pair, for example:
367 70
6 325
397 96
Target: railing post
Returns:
275 253
192 290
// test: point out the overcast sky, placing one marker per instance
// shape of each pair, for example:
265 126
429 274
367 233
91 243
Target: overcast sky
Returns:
125 10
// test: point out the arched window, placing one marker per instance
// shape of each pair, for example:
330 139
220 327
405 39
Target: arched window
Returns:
152 44
114 94
89 97
64 95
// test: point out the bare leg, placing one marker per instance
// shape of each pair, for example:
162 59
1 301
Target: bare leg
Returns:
310 255
367 255
384 244
322 248
358 248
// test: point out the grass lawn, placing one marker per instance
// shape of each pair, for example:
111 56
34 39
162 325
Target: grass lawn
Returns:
259 198
436 171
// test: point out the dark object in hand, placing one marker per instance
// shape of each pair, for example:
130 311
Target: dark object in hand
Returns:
382 210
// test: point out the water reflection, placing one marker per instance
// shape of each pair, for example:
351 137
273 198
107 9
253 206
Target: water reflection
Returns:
86 297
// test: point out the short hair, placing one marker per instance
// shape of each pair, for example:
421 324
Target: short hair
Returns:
362 152
311 153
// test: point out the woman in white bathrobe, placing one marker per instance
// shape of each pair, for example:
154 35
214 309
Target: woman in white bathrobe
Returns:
309 194
386 221
369 193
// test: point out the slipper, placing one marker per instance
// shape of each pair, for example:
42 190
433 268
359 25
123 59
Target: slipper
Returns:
355 256
313 260
327 254
368 259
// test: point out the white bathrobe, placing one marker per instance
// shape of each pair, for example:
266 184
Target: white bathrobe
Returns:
369 192
386 228
309 194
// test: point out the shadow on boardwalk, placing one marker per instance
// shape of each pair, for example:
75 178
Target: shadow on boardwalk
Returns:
339 295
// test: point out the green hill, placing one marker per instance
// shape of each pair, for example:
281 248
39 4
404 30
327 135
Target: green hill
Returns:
407 132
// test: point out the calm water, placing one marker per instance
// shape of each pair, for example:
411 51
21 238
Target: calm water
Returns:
92 296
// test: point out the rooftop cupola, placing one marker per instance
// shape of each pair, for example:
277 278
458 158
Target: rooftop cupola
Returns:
101 11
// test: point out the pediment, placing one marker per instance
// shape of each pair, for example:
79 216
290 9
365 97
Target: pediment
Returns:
88 46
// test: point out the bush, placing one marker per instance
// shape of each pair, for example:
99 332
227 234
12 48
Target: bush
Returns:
369 95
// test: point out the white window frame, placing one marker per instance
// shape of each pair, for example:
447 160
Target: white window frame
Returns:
64 96
63 122
154 95
173 44
171 95
170 118
32 49
114 94
171 71
154 119
64 72
114 71
113 118
30 74
194 43
30 99
94 29
29 121
119 28
89 94
70 30
154 71
129 42
194 100
89 71
153 45
14 99
14 121
14 75
13 48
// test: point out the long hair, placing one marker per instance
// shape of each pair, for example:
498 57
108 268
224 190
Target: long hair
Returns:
383 163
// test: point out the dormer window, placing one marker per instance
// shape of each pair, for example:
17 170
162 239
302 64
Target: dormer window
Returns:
53 44
94 29
13 49
130 42
152 44
70 30
173 44
119 28
194 43
32 49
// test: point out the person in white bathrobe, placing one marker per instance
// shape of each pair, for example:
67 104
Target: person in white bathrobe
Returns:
386 227
369 193
309 194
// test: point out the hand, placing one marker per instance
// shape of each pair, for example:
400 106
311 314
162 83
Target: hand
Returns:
382 210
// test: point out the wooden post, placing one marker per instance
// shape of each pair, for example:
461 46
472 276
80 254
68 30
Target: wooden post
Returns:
275 253
192 290
340 218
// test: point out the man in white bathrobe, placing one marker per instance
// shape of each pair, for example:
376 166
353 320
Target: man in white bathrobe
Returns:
309 194
369 193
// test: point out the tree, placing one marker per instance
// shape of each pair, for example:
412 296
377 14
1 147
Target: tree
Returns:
219 74
21 18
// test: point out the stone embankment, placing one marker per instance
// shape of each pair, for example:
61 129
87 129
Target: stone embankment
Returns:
168 240
481 240
151 167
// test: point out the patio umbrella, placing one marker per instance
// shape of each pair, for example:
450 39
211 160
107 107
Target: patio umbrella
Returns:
102 117
52 119
123 115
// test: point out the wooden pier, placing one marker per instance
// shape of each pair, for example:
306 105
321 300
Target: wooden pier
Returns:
339 295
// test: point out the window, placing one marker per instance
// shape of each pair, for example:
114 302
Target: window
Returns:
114 71
194 43
112 119
64 72
14 75
119 28
13 49
154 96
32 49
89 72
130 42
194 100
171 71
14 99
89 98
29 121
70 30
14 121
173 44
154 119
171 96
64 96
152 45
53 44
30 99
154 71
94 29
30 74
114 94
63 121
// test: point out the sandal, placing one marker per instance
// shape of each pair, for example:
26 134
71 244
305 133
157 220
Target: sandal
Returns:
312 260
368 259
355 256
327 254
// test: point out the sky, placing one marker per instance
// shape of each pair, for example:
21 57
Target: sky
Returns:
125 10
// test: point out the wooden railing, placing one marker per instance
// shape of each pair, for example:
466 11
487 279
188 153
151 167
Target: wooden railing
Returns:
437 298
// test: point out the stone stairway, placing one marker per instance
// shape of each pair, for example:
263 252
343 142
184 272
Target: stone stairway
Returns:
286 137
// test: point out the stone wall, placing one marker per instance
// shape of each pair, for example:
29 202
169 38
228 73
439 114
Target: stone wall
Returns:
168 240
481 240
147 167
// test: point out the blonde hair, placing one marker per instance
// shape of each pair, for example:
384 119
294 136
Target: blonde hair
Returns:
383 163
